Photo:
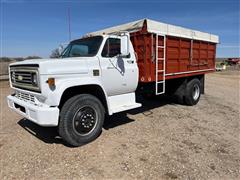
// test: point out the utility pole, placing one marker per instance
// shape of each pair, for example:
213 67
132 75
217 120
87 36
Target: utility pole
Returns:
69 25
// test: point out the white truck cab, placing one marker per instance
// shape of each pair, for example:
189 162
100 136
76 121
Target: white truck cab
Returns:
94 76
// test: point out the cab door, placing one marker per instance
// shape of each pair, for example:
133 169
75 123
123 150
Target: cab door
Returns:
119 74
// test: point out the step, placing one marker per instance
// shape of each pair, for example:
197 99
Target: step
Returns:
126 107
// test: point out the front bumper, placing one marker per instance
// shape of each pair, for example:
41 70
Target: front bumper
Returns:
40 114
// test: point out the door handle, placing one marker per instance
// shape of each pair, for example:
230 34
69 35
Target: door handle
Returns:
130 61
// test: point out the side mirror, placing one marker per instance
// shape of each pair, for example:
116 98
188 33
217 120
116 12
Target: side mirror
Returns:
124 45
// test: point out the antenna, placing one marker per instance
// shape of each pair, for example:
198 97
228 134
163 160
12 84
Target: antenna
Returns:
69 24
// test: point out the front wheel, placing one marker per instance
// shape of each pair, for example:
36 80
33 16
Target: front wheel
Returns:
81 119
192 92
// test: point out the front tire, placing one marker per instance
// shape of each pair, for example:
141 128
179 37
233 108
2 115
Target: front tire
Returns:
81 119
192 92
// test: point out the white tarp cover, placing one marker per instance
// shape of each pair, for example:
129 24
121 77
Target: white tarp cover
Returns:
161 28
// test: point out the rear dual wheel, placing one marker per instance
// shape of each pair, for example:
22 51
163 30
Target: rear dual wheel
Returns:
81 119
192 92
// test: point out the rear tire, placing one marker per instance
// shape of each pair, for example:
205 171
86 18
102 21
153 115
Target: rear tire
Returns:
192 92
81 119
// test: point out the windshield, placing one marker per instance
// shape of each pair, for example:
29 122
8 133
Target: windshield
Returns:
83 47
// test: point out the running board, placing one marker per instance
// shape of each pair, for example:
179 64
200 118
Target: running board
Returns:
126 107
122 102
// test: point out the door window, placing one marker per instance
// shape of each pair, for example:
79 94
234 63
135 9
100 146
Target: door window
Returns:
111 47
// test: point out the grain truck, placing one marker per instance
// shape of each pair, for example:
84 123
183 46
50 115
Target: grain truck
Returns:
101 73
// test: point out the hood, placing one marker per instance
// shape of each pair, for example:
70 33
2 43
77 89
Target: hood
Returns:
74 65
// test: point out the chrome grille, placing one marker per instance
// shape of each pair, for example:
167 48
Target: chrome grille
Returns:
23 77
25 97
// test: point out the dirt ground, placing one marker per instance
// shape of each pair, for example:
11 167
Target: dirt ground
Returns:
161 140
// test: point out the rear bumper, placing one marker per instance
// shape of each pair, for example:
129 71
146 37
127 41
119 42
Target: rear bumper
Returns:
39 114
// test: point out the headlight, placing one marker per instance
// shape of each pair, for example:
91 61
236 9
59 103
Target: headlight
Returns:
34 79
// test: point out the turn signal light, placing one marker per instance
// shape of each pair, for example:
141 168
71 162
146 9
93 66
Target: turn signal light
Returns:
51 82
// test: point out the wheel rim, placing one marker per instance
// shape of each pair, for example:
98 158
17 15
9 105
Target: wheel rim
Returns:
196 92
85 120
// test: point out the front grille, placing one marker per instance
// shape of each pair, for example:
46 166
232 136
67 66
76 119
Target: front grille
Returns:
22 77
25 78
25 97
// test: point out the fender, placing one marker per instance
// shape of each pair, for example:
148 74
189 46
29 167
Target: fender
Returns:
63 84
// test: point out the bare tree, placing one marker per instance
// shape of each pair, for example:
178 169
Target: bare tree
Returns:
55 53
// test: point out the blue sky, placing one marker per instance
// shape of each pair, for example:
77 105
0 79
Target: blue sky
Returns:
37 27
